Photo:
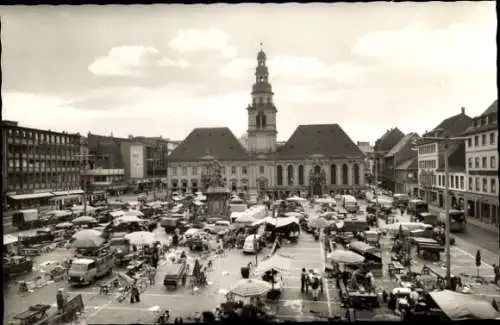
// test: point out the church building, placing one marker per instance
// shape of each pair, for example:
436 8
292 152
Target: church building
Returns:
317 159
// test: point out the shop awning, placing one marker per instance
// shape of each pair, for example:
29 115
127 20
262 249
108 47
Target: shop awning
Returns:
31 196
71 192
9 239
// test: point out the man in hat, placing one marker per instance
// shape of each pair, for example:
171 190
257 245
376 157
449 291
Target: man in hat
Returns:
61 300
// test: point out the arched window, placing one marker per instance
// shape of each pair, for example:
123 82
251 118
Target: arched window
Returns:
301 175
279 175
257 121
290 174
344 174
356 174
263 121
174 184
317 169
333 174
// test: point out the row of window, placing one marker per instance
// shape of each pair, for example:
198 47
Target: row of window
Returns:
426 149
59 178
484 120
41 137
484 162
31 163
33 186
427 163
194 170
107 178
317 171
456 181
476 182
484 138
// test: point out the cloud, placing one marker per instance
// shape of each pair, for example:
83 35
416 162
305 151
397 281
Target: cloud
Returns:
194 40
132 61
303 68
470 48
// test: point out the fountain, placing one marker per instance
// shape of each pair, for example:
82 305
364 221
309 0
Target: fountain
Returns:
216 191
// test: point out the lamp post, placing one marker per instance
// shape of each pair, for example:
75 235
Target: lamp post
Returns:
446 141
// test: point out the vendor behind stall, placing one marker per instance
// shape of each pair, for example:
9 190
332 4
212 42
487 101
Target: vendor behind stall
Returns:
363 278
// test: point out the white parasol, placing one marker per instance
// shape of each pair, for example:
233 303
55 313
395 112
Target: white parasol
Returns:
296 199
251 288
141 238
319 222
84 219
275 262
125 219
134 213
346 257
294 214
244 218
88 238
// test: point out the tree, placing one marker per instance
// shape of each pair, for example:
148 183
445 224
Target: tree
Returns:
478 261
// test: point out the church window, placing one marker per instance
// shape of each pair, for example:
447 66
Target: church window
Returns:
262 169
257 121
344 174
317 169
261 79
233 170
301 175
174 171
194 171
263 121
290 174
184 171
333 174
279 175
356 174
244 170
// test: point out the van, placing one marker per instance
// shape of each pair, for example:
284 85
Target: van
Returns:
252 244
85 271
350 203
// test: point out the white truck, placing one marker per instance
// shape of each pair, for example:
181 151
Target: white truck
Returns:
26 219
88 270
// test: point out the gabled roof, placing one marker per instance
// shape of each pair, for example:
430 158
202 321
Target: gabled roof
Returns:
492 123
388 140
492 109
400 145
411 163
453 126
328 140
220 143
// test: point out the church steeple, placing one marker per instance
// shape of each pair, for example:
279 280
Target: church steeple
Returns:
262 112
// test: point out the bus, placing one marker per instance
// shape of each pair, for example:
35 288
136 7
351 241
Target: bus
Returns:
458 221
415 207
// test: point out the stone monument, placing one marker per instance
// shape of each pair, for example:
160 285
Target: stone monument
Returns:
216 191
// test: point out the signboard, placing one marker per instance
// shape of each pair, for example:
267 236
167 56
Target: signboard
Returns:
136 161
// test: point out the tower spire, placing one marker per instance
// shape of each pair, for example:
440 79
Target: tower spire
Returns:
261 44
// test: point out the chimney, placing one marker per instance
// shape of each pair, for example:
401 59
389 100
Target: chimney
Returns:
463 110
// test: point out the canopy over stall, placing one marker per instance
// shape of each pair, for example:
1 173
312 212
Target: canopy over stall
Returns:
459 306
9 239
276 262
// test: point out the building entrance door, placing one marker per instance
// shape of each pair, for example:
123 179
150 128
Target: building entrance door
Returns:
317 189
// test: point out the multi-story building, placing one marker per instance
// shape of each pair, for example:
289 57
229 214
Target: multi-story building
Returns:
143 159
481 166
431 156
316 159
401 152
406 177
382 146
41 168
367 149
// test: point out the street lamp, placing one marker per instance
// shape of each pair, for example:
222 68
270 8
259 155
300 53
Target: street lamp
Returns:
446 141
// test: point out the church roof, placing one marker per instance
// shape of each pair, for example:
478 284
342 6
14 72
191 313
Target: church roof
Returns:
328 140
220 143
387 141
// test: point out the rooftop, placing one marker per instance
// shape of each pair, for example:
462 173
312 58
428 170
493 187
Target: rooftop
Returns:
219 143
388 140
400 145
411 163
328 140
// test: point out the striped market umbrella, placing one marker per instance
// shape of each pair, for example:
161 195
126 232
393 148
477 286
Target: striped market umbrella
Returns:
250 288
275 262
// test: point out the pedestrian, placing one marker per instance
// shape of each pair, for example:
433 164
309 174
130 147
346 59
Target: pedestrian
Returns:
303 280
60 300
152 275
134 294
496 271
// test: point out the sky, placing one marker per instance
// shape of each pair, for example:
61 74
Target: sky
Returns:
162 70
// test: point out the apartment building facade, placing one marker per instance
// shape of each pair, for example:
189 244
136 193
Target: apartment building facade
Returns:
431 157
400 153
41 168
481 166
